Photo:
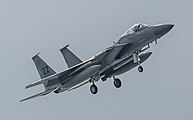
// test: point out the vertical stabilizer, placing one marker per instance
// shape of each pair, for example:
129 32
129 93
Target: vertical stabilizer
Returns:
70 58
43 68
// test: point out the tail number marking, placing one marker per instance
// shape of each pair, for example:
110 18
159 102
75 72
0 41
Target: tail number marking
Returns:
45 70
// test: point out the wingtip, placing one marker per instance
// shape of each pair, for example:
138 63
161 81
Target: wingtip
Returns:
22 100
35 56
26 87
64 48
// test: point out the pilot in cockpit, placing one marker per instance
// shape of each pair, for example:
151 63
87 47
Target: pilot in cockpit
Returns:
135 28
138 27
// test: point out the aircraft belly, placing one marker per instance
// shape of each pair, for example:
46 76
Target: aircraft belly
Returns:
125 68
82 76
122 63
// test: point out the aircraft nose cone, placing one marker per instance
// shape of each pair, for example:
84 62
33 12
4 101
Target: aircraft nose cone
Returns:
162 29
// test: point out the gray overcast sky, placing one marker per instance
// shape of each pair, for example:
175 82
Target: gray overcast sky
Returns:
162 92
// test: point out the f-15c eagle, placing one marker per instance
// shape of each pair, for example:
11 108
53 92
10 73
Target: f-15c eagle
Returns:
125 54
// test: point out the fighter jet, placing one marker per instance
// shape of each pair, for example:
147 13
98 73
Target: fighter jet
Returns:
125 54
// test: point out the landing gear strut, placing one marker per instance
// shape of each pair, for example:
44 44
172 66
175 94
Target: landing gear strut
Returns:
117 82
93 89
136 59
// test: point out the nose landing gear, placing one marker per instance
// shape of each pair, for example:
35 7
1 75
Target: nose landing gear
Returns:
93 89
136 59
140 69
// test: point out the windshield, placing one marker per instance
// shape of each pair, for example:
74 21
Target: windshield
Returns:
135 28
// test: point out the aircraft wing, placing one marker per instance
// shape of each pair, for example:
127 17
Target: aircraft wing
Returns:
40 94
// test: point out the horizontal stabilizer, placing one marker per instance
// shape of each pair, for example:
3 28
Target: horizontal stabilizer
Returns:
40 94
37 95
42 81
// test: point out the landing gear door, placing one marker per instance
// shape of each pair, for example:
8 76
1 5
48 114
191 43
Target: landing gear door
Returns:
135 58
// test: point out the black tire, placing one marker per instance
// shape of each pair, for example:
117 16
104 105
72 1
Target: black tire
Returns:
140 69
117 83
104 79
93 89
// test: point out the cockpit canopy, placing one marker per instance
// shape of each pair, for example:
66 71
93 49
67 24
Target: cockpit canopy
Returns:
135 28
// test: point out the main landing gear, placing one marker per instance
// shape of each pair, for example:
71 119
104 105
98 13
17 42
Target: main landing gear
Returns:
93 87
117 82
